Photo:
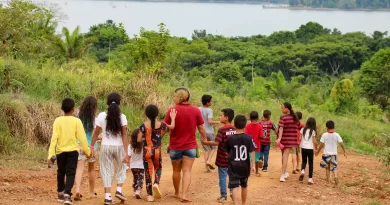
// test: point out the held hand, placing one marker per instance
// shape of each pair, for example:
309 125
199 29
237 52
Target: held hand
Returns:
317 153
173 113
49 162
126 159
253 169
91 152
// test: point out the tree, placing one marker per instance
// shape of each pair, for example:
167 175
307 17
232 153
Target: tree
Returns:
73 45
343 97
309 31
106 37
375 78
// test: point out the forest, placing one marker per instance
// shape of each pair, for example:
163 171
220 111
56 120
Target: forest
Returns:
323 72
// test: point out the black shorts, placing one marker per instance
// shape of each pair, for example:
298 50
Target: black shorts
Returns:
234 182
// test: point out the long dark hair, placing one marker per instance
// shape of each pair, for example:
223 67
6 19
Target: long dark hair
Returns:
137 146
87 112
151 111
310 125
289 107
114 125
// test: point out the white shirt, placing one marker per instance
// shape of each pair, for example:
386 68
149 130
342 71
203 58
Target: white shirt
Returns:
137 159
307 140
108 138
331 140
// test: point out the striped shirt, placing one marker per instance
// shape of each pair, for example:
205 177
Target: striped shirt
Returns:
223 133
268 125
290 134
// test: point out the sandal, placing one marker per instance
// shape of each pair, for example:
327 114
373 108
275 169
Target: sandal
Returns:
78 197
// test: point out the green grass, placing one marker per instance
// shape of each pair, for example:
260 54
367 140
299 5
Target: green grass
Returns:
373 203
356 183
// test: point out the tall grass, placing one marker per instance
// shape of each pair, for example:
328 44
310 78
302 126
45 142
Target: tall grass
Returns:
27 113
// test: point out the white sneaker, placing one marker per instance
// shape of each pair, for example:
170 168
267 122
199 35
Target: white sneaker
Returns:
150 198
282 178
286 175
156 191
138 194
310 181
134 194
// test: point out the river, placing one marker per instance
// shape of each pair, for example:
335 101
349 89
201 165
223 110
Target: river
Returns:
217 18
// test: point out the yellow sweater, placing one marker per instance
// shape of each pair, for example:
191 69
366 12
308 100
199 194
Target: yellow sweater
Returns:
67 132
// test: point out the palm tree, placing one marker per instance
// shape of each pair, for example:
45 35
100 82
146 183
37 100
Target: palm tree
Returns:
73 45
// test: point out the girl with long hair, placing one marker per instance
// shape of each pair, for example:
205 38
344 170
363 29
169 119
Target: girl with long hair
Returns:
308 145
114 145
136 163
288 135
151 133
87 114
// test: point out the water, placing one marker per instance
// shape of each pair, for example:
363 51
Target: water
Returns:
223 19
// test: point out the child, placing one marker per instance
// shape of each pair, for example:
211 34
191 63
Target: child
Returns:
296 152
226 117
207 114
239 147
265 141
136 163
87 114
329 140
151 133
308 145
255 130
113 149
67 132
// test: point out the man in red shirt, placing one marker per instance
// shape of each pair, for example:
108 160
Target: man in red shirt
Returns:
255 130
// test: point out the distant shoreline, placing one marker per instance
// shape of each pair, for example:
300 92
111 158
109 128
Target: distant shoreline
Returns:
265 5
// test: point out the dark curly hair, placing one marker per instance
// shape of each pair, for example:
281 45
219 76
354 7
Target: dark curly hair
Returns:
114 125
87 113
151 111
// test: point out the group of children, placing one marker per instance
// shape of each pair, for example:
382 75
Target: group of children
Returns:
293 137
242 147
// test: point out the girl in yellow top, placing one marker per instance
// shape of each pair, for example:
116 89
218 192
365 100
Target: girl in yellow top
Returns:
67 132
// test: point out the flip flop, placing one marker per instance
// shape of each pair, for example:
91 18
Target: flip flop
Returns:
210 166
185 201
78 197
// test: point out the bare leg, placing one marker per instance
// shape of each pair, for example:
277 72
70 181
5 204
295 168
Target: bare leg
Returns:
294 161
211 155
187 168
91 174
299 156
328 175
176 176
79 175
285 159
206 158
244 193
257 167
236 193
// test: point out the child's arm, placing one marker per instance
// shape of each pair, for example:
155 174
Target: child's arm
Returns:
315 143
210 143
173 117
125 144
342 146
139 137
320 148
53 143
82 138
95 135
253 162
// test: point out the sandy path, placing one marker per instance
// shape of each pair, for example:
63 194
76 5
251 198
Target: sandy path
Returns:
38 187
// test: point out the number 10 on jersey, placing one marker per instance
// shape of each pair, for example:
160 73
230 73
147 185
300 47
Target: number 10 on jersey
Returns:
241 153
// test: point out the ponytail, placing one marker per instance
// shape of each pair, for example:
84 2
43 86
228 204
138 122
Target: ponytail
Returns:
153 123
114 124
151 111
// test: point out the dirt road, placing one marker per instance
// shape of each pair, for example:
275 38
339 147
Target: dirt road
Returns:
363 180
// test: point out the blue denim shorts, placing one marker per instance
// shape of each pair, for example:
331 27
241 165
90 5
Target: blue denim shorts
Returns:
178 154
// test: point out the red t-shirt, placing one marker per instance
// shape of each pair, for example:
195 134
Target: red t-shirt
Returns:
268 126
290 134
188 117
256 131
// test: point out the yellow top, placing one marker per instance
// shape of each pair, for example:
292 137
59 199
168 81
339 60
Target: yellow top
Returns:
67 132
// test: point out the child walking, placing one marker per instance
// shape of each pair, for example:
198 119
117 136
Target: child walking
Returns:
239 147
308 145
329 140
151 133
67 132
136 163
113 125
87 114
296 152
265 141
226 117
255 130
